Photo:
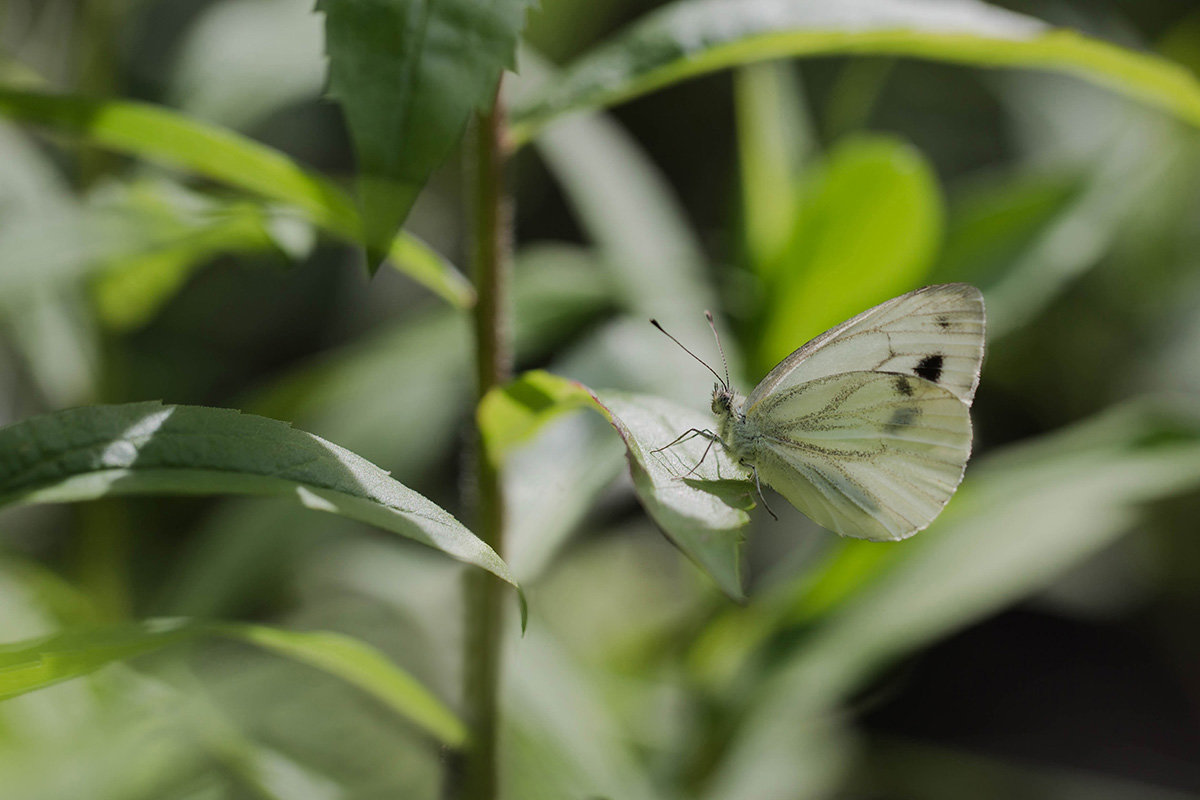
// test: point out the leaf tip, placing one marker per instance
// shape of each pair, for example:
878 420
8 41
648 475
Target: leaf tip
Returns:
523 602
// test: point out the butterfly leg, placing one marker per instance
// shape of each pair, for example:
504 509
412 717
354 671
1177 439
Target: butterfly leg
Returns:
712 437
683 437
761 496
689 434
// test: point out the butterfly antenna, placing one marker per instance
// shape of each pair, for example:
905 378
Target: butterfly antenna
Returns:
654 322
712 326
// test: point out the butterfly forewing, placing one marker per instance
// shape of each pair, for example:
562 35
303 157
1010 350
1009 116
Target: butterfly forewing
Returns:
935 333
870 455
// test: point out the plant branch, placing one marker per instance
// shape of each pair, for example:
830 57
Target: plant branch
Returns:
493 366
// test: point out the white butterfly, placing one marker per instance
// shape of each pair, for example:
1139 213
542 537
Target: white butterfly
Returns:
867 428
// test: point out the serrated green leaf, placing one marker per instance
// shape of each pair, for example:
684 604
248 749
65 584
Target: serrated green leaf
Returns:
161 135
30 665
696 494
151 448
868 222
408 75
694 37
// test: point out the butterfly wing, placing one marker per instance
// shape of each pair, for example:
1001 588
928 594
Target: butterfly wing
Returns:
935 333
870 455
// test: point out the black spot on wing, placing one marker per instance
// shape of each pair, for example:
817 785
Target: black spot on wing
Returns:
930 367
903 386
943 322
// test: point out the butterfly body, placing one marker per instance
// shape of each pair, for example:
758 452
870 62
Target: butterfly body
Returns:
738 436
866 428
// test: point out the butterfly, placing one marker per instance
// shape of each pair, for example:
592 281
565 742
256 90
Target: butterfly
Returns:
866 428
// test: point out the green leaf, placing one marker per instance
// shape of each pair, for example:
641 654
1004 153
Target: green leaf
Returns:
628 209
30 665
363 666
351 394
1126 178
578 457
868 224
408 75
694 37
190 229
1021 518
564 734
151 448
240 61
511 414
160 135
699 504
990 223
127 227
774 135
703 514
729 644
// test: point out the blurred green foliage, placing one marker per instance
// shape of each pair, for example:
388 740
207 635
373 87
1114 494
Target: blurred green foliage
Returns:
207 257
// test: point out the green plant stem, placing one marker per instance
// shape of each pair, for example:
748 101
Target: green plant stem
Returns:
858 87
96 68
493 351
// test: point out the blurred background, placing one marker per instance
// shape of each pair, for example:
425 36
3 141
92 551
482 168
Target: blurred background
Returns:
1038 641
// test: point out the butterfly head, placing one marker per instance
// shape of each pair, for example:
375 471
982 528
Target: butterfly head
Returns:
722 400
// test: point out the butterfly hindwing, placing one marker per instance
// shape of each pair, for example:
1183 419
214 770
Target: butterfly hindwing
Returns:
935 333
870 455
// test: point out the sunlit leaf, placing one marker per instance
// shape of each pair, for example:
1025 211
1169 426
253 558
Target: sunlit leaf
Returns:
725 649
150 448
408 75
511 414
694 37
696 493
351 395
30 665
